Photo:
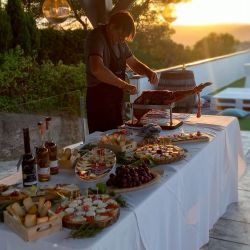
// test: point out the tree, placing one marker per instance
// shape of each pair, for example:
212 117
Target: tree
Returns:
23 27
140 9
20 32
33 31
5 31
215 45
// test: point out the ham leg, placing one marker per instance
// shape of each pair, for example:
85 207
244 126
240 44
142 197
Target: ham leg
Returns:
165 97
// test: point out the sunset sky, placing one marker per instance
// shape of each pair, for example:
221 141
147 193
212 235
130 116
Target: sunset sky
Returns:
198 12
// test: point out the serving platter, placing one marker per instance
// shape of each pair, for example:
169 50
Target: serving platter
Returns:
177 138
187 137
160 153
117 190
100 210
95 164
117 141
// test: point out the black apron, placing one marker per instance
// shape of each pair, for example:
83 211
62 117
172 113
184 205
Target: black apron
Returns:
105 102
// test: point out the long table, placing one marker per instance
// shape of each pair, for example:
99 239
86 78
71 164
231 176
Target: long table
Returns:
177 212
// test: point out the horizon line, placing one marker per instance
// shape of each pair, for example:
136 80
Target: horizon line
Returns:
209 24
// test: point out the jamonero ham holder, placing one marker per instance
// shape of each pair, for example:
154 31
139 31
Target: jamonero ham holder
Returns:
162 100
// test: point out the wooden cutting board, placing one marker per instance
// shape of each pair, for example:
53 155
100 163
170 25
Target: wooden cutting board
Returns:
202 139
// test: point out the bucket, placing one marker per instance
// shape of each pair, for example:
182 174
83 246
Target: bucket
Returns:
179 80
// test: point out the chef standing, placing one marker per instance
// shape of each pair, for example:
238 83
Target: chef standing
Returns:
107 55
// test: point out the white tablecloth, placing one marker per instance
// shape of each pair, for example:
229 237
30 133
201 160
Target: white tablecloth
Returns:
177 212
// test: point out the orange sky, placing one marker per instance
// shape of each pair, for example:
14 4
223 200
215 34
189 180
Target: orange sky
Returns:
198 12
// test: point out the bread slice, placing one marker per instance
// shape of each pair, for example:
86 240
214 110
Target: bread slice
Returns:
28 203
41 220
17 209
30 220
41 203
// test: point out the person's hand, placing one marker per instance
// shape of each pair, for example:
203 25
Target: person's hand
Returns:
201 86
131 89
153 78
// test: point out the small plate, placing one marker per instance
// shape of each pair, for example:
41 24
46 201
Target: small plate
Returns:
95 164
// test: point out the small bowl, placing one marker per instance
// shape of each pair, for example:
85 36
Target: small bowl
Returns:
95 164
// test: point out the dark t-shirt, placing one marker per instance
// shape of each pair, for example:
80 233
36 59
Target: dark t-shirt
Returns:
96 44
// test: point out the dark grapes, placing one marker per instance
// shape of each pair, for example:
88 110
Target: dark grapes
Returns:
127 176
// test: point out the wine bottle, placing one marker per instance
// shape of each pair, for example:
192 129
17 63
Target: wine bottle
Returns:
52 147
42 157
29 169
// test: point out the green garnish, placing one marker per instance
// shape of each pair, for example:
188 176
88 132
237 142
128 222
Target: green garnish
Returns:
121 201
85 231
123 158
102 188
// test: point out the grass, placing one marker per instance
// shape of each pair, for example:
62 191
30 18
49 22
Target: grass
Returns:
244 122
237 84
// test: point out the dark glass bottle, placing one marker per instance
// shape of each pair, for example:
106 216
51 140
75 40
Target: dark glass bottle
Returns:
29 169
52 147
42 157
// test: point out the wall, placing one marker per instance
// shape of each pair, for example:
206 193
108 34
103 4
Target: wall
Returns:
66 130
221 71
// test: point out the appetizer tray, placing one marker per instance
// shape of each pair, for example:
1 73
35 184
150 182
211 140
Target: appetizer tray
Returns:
35 232
117 142
160 153
100 210
188 137
95 164
178 138
12 194
32 220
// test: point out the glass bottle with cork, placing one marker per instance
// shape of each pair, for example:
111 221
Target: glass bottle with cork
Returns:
42 156
52 147
29 168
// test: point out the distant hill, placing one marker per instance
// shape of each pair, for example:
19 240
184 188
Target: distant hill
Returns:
189 35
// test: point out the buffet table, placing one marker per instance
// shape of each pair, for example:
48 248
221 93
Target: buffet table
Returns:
177 212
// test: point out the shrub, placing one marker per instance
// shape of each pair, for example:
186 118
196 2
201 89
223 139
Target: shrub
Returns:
23 80
66 46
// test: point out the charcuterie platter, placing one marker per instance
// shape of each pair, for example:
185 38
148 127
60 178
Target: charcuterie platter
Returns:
160 153
187 137
178 138
95 164
117 142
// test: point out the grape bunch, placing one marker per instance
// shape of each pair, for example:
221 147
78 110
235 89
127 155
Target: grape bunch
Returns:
126 176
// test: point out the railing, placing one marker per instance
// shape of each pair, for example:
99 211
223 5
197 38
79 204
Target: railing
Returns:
220 70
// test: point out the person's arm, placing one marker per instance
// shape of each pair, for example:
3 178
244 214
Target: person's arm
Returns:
142 69
102 73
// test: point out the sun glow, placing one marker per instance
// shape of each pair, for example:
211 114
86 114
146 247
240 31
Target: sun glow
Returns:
202 12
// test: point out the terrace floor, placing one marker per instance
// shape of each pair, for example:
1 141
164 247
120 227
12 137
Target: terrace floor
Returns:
232 230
